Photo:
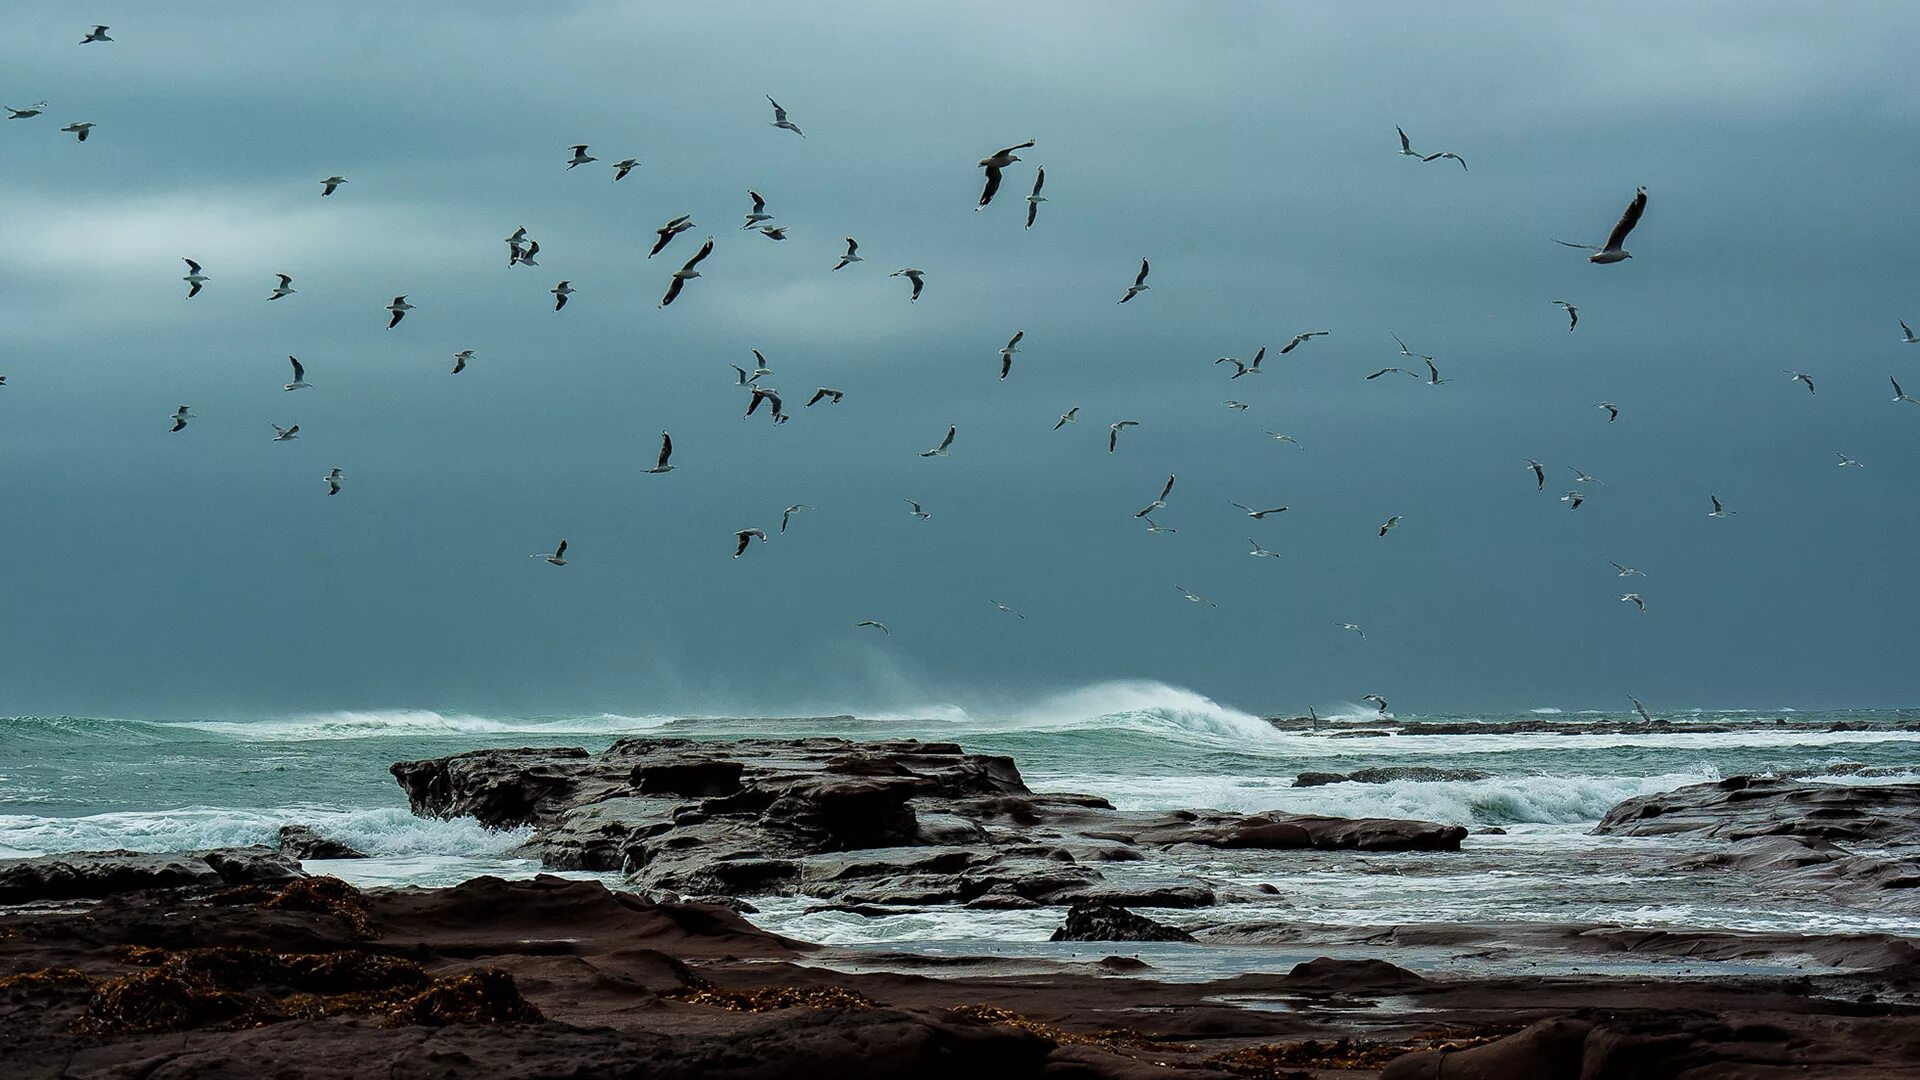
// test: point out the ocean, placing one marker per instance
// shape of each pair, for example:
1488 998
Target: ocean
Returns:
77 783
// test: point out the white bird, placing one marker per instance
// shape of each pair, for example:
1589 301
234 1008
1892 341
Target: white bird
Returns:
1389 524
79 130
1625 571
780 118
1580 477
995 162
622 167
1161 501
1406 146
558 558
1899 394
460 360
1433 375
833 396
1379 702
1355 627
666 452
1539 474
194 278
1194 598
580 156
759 212
1800 376
560 293
1139 283
282 290
915 276
1847 462
1113 432
1245 369
21 114
1034 199
851 256
1639 708
1300 339
746 536
516 245
1006 352
760 368
1613 252
1152 528
667 232
334 476
787 514
1004 609
1573 315
1280 437
1261 515
771 397
1401 370
399 309
1259 552
1718 510
1071 416
97 34
1573 499
686 273
946 444
332 184
299 375
1634 599
1404 351
525 255
1907 332
1613 411
880 626
742 379
1238 406
917 512
774 232
1447 154
285 434
180 418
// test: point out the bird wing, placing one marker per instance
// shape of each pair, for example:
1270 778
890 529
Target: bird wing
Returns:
852 246
759 203
993 185
948 441
1141 278
561 551
192 267
1167 488
1004 151
1406 147
1015 340
299 370
666 447
673 290
706 249
284 280
1039 180
1628 220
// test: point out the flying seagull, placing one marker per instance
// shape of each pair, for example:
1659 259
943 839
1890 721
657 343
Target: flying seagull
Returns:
97 34
1281 437
1433 375
1573 499
1634 599
780 118
1800 376
759 212
1639 708
1034 199
1379 702
330 185
917 512
622 167
1613 252
299 375
1261 515
1139 283
771 397
560 293
1539 474
1907 332
993 163
1299 339
1259 552
558 558
524 255
515 243
945 445
774 232
787 514
21 114
666 452
460 360
1573 315
1194 598
1389 524
686 273
282 290
180 418
1406 147
194 278
1355 627
915 276
1245 369
333 478
1899 394
1406 352
1071 416
1160 501
580 156
1613 411
1401 370
746 536
1625 571
667 232
399 308
1718 510
1152 528
1006 352
880 626
1004 609
833 396
851 256
1581 477
1237 406
79 130
285 434
1113 432
1447 154
1846 461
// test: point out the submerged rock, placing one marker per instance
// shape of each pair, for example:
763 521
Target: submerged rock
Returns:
1097 920
1388 775
302 842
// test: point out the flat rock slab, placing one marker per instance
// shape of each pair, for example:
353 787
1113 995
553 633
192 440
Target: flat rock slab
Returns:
90 875
1745 807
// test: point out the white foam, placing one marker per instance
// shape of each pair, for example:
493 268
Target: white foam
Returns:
386 831
419 722
1124 704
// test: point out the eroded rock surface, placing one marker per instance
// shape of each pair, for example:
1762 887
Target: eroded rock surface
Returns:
89 875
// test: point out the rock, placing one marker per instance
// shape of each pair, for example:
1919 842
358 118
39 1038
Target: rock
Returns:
301 842
1352 976
90 875
1743 807
1388 775
1283 831
497 788
1095 920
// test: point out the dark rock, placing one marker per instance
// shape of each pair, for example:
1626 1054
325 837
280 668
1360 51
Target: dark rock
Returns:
301 842
1094 920
1284 831
702 779
1743 807
1388 775
1352 976
497 788
1124 963
87 875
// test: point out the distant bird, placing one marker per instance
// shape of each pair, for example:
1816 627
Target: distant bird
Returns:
742 378
1639 708
1034 199
560 293
1006 352
515 243
787 514
460 360
915 276
580 156
1433 375
1355 627
622 167
1626 571
1907 332
525 256
1634 599
1800 376
1259 552
1406 352
1406 147
1539 474
1245 369
1004 609
667 232
1573 315
746 536
558 558
1379 702
851 256
299 375
1160 500
3 380
880 626
686 273
774 232
79 130
1194 598
1581 477
333 478
1447 154
759 212
330 185
180 418
666 453
1847 462
771 397
833 396
1152 528
780 118
995 162
1071 416
1389 524
1299 339
945 445
1139 283
1613 411
1573 499
1400 370
282 290
194 278
285 434
1718 510
399 308
21 114
1113 432
1261 515
917 512
1899 394
1613 252
1280 437
1237 406
97 34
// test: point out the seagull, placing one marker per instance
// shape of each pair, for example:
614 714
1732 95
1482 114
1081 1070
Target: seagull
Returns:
3 380
1261 515
1626 571
285 434
1139 283
1390 523
1165 490
526 254
622 167
1034 199
880 626
1355 627
558 558
1004 609
332 184
760 367
917 512
1113 432
1299 339
945 445
560 293
1447 154
1379 702
993 163
851 256
1906 330
580 156
1152 528
666 452
284 289
1406 352
774 232
759 212
1539 474
180 418
667 232
772 397
743 379
399 308
1573 315
1800 376
1259 552
1580 477
97 34
334 476
1613 252
1071 416
744 537
1718 510
1245 369
299 375
460 360
1639 708
1279 437
833 396
194 278
780 118
21 114
686 273
1195 598
789 512
1406 147
1899 394
1006 352
1385 370
1846 461
1634 599
1573 499
914 276
79 130
1613 411
1238 406
1433 375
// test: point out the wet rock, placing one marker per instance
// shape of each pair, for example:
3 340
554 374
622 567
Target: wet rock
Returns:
302 842
1284 831
1743 807
1096 920
1388 775
87 875
1352 976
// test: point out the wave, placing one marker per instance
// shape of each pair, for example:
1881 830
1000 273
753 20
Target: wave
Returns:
382 832
420 722
1136 705
1548 711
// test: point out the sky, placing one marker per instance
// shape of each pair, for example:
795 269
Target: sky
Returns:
1248 150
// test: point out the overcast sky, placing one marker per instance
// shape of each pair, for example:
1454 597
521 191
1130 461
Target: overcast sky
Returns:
1248 150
